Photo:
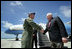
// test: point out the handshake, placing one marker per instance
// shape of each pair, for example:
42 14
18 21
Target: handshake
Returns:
42 30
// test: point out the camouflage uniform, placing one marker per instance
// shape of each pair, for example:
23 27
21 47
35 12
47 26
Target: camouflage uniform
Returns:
28 32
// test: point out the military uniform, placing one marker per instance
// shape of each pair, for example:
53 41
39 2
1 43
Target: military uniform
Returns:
28 32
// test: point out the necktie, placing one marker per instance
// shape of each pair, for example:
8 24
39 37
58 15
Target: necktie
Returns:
49 24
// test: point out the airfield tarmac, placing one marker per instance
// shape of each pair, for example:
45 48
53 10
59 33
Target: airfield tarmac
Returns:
11 43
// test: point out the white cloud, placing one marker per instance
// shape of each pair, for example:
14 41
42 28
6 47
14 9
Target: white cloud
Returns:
66 11
22 19
6 24
43 25
16 3
17 27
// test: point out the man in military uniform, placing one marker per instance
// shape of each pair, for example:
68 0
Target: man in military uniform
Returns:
27 35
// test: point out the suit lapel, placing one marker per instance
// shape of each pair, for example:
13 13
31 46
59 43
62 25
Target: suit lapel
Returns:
52 21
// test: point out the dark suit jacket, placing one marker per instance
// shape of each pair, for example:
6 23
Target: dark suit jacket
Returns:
56 30
35 32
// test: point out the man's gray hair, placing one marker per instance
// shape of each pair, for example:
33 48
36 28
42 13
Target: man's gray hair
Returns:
48 14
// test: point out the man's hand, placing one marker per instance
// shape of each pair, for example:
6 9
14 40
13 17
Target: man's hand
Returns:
64 40
33 34
42 31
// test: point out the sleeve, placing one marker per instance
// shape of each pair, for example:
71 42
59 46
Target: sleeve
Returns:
61 27
45 30
34 25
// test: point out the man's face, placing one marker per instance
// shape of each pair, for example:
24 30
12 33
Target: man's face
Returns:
32 16
49 17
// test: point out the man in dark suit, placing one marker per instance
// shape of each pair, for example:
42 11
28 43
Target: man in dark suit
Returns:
57 31
34 38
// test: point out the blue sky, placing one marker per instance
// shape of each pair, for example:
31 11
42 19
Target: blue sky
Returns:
14 12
